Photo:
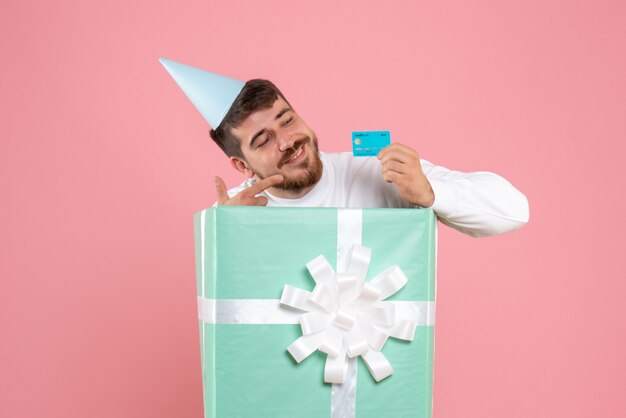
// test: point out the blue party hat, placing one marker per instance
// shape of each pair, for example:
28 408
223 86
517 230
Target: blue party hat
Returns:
212 94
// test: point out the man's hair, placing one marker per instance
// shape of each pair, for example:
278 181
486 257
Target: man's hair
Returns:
255 95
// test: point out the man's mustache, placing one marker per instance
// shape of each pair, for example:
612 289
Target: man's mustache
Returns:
291 151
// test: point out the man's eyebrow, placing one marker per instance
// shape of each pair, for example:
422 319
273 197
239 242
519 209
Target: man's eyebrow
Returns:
262 131
282 112
256 135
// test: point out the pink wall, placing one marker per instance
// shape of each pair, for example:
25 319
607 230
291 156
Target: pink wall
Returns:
103 162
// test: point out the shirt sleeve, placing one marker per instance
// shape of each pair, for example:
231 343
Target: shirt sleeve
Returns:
478 204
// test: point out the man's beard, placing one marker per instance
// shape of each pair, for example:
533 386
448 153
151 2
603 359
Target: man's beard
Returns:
312 172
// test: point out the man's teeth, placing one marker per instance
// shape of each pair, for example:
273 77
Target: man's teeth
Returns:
296 155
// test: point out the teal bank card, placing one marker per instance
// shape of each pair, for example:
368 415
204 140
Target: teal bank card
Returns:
369 143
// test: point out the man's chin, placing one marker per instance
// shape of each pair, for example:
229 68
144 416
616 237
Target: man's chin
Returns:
309 174
299 183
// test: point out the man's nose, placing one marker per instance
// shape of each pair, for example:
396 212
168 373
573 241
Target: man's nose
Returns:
285 141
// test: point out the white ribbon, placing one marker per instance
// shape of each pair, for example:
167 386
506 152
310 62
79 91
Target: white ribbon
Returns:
347 317
270 312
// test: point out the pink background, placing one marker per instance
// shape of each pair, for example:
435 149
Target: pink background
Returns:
103 161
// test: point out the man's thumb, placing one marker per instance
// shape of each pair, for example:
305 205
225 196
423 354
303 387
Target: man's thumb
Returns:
222 193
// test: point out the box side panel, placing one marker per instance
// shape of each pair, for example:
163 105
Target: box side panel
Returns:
432 296
198 220
207 343
204 231
432 288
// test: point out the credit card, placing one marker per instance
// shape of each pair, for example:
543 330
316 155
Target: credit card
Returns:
369 143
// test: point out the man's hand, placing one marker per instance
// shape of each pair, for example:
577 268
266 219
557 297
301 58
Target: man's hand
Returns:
401 166
248 196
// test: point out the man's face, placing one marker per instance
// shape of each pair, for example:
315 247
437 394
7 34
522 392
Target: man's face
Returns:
277 141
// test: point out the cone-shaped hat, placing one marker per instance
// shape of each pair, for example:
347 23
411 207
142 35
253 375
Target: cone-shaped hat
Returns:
211 93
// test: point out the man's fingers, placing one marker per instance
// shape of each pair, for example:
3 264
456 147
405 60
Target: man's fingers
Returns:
391 176
246 197
401 155
266 183
395 148
396 166
222 193
387 149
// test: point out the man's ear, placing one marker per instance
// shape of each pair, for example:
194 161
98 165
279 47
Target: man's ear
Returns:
241 166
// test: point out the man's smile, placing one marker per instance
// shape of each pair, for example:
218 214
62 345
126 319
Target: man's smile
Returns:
294 157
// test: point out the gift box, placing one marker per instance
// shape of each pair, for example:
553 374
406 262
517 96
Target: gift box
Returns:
265 279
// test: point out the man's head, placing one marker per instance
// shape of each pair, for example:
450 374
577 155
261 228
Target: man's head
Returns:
262 135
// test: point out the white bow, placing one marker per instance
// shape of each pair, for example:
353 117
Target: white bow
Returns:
347 317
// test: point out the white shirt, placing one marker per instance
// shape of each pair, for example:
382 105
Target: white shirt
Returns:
477 204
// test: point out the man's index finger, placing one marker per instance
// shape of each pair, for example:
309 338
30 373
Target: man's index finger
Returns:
266 183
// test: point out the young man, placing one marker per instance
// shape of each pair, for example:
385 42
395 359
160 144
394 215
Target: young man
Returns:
266 140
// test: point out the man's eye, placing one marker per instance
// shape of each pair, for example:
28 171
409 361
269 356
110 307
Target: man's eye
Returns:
288 121
265 141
